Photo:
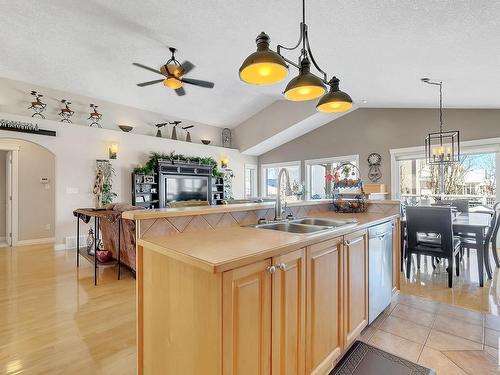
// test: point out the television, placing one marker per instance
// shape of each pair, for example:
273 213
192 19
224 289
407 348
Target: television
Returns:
185 188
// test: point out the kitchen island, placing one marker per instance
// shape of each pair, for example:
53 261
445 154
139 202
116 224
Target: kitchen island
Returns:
216 296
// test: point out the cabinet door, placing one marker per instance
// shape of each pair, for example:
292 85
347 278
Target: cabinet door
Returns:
246 331
289 314
324 306
396 257
355 285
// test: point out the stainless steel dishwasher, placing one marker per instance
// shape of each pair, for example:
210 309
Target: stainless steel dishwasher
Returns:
379 269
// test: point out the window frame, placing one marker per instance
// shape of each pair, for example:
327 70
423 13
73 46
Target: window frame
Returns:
263 174
254 183
332 159
487 145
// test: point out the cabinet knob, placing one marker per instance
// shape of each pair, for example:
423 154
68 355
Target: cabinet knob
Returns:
271 269
282 267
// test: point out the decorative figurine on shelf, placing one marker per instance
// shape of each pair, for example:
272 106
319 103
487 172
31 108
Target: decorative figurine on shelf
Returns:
188 135
37 106
159 126
174 130
66 112
90 242
374 161
226 137
95 116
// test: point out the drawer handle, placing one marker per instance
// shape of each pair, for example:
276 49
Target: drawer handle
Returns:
350 243
282 267
271 269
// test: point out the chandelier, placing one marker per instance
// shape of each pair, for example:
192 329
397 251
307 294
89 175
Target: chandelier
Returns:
265 67
443 147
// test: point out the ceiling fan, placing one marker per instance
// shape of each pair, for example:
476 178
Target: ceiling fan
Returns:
174 73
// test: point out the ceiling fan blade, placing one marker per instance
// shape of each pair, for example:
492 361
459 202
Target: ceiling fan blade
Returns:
187 66
147 68
150 82
180 91
198 82
188 127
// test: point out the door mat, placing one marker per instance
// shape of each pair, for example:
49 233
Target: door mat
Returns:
364 359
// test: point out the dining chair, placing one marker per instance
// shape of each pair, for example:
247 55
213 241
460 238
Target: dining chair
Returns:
461 205
469 241
430 232
494 235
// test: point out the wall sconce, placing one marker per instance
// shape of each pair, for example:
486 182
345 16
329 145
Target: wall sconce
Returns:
224 162
113 151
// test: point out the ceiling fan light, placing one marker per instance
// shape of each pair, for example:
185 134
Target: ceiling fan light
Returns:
263 67
172 83
335 100
306 86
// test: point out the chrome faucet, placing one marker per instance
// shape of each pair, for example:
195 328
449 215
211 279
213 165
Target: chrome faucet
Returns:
278 208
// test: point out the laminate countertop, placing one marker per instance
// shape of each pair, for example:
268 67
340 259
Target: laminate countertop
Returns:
205 210
227 248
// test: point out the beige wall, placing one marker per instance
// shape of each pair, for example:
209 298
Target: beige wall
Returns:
3 200
378 130
36 201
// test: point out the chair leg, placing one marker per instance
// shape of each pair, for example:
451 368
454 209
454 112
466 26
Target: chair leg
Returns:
457 264
450 272
433 263
487 260
418 261
468 253
408 264
494 250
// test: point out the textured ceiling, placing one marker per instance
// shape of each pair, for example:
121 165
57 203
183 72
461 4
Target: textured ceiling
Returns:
379 49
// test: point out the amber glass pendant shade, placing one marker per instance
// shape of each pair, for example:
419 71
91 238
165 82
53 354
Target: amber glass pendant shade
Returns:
172 83
335 100
263 67
306 86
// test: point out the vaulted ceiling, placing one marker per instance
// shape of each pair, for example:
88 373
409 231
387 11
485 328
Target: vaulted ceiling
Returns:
379 49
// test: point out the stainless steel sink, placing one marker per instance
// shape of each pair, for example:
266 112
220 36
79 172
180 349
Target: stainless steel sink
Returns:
292 227
306 225
323 222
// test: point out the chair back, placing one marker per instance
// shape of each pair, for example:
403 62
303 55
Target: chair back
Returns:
430 220
462 205
495 223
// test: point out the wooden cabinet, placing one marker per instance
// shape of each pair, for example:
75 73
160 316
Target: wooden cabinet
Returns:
289 314
324 306
396 257
355 285
246 320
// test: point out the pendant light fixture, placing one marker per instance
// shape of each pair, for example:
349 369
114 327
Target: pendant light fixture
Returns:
335 100
443 147
265 67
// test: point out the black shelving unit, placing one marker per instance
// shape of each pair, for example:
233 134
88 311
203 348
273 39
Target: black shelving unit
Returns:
218 191
145 190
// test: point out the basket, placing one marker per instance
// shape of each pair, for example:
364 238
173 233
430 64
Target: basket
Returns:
348 193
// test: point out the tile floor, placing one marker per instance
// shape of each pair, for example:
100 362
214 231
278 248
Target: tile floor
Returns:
450 339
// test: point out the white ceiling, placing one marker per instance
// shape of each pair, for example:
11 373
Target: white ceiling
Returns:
379 50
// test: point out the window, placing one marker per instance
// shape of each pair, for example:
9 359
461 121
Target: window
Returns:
270 177
474 178
250 180
317 185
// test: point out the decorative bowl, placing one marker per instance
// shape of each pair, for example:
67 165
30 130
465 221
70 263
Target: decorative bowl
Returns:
205 141
125 128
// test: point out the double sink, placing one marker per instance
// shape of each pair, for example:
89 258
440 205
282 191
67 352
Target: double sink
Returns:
307 225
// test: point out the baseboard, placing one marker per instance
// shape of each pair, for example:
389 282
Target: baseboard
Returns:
36 241
59 247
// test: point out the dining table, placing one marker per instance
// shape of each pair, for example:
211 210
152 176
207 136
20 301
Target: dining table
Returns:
472 223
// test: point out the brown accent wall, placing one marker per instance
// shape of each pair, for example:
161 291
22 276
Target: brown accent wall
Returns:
370 130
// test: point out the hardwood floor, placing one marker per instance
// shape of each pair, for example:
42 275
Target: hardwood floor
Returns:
433 284
53 320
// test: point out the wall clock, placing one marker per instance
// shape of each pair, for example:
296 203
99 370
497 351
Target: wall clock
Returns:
374 161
